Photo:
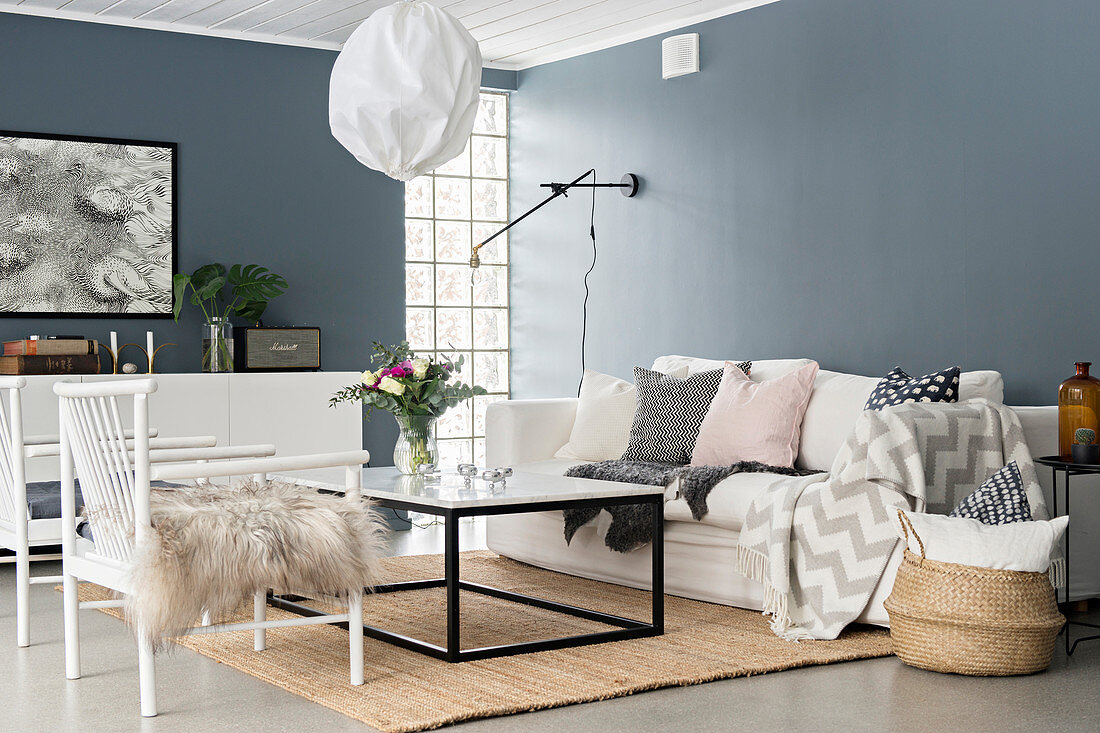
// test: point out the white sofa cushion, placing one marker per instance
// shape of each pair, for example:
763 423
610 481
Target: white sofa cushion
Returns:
838 400
605 411
727 503
761 370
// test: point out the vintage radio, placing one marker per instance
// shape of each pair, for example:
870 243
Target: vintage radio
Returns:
261 349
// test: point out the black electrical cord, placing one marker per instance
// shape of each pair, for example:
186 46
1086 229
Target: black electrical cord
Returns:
587 292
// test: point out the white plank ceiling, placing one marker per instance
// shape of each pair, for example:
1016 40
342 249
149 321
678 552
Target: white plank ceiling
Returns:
514 34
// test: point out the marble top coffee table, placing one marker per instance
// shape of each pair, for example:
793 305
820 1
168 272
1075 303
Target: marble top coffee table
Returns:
452 497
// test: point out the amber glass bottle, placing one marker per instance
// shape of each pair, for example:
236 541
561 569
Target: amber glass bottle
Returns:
1078 407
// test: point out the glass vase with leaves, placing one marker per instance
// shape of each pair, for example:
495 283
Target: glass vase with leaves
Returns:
250 289
416 391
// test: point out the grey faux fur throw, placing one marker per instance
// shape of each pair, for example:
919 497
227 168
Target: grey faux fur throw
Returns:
630 524
213 547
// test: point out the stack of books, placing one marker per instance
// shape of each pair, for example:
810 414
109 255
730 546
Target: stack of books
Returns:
50 356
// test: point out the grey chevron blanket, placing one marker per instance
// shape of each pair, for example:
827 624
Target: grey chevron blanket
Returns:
630 523
820 547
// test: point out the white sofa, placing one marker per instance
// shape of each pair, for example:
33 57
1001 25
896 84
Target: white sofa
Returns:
700 557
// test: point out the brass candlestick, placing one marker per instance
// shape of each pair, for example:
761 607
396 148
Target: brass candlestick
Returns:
114 358
149 358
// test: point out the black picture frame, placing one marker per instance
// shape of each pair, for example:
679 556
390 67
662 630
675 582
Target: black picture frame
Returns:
173 207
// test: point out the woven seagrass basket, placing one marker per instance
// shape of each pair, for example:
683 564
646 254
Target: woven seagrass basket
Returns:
968 620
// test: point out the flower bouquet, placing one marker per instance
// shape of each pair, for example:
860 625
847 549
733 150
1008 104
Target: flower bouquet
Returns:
416 390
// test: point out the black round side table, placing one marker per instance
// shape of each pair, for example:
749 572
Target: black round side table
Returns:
1067 469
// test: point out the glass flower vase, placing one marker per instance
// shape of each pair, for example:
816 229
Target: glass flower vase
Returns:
415 443
1078 407
217 345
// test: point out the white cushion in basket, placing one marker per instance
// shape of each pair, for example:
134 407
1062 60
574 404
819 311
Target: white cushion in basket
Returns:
601 430
837 402
1022 546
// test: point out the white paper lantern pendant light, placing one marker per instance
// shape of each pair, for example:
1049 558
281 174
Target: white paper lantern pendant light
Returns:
404 90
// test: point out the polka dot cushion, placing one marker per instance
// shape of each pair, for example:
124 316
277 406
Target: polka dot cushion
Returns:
999 500
897 388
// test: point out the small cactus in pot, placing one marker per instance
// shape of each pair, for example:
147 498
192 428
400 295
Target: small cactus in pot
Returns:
1084 449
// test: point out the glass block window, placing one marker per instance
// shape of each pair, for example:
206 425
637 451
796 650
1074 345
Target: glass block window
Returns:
446 310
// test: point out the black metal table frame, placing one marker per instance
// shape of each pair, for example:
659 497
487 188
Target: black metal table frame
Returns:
1068 469
453 651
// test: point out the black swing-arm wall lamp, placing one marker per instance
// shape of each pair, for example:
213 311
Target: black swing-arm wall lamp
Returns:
628 187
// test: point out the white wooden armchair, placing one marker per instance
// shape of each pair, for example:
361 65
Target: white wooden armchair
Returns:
25 524
115 483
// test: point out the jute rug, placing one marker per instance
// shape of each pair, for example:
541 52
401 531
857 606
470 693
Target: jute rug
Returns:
407 691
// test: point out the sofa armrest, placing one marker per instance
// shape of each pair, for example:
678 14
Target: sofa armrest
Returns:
522 431
1040 426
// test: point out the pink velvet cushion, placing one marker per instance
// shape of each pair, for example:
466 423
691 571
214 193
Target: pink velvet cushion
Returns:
754 421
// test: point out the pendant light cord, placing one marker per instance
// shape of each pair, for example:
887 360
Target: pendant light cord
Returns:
587 292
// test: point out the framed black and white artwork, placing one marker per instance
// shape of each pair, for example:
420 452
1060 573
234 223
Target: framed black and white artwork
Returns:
87 226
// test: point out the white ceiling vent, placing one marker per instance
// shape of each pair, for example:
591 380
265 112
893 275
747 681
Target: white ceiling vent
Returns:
680 55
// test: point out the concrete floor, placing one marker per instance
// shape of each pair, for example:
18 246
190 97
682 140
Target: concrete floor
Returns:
196 693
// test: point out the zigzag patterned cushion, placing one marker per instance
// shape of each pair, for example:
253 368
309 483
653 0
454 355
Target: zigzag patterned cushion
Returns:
1001 499
670 411
897 388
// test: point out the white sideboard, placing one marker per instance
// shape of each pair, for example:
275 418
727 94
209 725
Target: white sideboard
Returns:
288 409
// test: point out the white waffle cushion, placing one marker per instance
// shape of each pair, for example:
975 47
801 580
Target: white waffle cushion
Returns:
601 430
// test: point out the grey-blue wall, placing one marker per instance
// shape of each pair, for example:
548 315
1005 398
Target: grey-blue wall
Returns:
260 177
867 183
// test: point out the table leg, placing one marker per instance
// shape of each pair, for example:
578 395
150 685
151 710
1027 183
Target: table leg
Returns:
1054 513
1069 649
452 578
1054 492
657 547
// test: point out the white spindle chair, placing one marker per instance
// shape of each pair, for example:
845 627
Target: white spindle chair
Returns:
115 483
14 514
19 532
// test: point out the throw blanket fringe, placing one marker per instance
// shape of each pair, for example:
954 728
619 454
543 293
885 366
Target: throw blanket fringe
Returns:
754 566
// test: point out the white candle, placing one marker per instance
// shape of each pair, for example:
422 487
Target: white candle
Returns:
114 343
149 348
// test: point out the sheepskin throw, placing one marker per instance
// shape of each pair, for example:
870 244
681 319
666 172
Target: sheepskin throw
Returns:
213 547
630 523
